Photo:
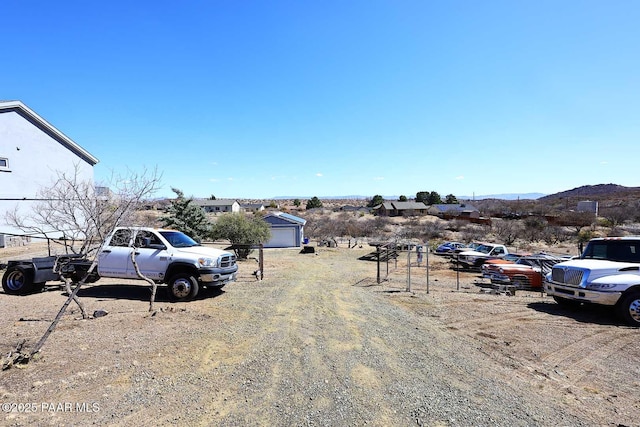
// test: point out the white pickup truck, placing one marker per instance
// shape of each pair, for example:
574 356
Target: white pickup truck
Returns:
483 252
607 273
165 256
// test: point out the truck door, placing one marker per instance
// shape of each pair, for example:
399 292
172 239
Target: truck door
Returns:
116 254
151 256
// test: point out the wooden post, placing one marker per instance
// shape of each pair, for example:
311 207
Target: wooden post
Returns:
261 260
378 252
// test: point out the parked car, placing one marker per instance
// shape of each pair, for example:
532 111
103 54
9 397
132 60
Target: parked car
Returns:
527 272
448 248
468 247
473 259
490 266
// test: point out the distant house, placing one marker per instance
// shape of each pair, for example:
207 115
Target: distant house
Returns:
588 206
32 155
409 208
355 209
462 211
252 207
287 231
218 205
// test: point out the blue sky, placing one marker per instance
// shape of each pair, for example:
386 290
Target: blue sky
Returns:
258 99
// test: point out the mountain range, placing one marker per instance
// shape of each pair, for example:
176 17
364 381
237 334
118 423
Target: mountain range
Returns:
585 192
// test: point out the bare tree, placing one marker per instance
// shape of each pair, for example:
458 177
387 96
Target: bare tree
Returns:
615 216
576 220
72 213
533 228
507 230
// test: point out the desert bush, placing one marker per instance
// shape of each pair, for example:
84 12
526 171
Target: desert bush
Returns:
240 229
553 235
616 232
533 228
507 230
474 232
456 225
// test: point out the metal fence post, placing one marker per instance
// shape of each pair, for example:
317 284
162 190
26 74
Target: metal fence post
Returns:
409 269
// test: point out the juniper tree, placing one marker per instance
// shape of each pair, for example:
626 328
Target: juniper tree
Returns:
186 216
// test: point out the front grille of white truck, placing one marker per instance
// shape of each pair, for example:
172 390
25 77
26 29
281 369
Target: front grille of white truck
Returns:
567 276
227 261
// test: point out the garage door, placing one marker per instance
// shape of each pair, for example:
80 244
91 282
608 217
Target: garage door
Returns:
282 238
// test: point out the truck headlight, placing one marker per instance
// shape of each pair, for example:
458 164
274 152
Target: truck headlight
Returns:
601 286
207 262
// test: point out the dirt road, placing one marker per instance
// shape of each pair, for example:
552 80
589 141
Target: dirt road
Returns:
317 342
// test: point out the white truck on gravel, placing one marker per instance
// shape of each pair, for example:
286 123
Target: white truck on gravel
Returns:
165 256
474 259
607 273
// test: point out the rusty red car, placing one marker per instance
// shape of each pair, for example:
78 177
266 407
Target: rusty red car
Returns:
527 272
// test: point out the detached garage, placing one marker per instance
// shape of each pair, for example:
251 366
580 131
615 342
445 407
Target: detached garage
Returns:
287 231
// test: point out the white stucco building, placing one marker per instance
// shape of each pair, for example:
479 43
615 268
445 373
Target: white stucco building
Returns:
32 153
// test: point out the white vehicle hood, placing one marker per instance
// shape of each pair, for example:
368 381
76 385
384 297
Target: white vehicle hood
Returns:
598 268
203 251
597 264
472 253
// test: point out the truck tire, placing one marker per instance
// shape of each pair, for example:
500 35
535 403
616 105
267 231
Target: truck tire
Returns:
18 280
478 263
182 287
628 308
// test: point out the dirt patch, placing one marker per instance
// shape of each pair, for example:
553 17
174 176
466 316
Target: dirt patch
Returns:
320 342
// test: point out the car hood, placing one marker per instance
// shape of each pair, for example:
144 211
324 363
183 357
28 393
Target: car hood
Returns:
472 253
204 251
517 267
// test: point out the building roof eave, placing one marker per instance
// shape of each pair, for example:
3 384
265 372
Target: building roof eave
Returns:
49 128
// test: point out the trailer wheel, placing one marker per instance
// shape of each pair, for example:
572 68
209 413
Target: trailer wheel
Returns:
18 280
628 309
183 287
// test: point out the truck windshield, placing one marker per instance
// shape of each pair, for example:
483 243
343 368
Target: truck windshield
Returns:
484 249
621 250
178 239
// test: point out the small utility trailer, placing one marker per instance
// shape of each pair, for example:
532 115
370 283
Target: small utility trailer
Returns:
30 275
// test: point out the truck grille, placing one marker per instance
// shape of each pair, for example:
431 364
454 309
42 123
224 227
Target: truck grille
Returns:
567 276
227 261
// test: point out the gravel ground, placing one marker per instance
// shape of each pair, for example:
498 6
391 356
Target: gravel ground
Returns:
319 342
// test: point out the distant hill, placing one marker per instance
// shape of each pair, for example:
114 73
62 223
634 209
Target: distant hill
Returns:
508 196
598 192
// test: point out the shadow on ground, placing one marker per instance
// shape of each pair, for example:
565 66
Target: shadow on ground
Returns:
138 292
595 314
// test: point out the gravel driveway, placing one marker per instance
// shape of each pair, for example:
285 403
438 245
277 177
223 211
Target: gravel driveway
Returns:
318 342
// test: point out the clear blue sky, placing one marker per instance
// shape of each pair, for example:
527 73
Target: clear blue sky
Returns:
257 99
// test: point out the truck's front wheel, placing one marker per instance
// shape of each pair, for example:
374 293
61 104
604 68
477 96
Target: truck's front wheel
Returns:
183 287
628 308
17 280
